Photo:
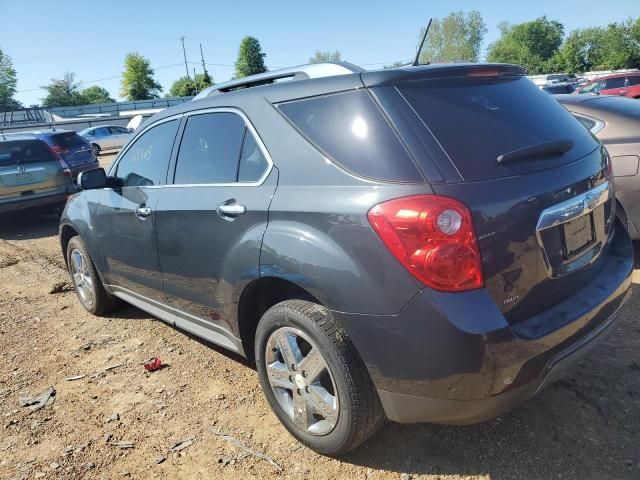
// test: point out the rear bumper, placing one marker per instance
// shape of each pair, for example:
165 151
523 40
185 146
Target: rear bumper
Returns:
411 409
35 201
453 358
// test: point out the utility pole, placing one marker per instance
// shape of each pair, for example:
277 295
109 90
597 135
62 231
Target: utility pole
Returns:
185 57
202 56
195 83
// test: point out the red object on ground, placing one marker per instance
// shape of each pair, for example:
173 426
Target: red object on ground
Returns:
153 365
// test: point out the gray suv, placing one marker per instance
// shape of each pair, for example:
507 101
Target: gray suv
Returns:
424 244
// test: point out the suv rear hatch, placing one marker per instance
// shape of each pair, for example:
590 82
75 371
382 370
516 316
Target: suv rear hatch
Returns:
72 148
536 181
29 167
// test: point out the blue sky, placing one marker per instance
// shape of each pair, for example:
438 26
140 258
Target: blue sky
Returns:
47 38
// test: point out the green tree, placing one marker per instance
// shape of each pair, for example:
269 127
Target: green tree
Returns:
8 83
137 79
186 87
534 44
63 92
96 94
321 57
250 58
621 46
456 37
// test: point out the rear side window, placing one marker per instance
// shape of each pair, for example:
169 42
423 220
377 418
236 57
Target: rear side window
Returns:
145 163
19 152
477 120
68 140
210 149
633 80
617 82
252 161
351 130
587 122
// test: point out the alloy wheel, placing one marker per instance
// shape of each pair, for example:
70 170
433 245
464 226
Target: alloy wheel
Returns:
82 277
301 381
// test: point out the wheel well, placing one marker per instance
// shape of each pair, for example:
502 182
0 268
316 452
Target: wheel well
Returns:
258 297
66 234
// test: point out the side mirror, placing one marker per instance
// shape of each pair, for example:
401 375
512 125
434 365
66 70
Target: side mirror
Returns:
92 179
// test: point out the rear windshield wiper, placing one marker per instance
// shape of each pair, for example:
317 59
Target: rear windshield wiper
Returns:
557 147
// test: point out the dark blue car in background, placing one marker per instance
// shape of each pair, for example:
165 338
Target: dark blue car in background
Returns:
70 147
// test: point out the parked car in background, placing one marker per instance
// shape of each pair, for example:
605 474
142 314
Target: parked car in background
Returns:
622 84
74 151
558 88
32 174
616 123
106 137
428 243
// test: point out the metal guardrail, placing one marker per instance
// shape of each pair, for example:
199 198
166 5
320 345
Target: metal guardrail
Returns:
41 116
115 108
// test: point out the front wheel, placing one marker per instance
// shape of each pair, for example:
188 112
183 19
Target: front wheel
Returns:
314 379
96 149
88 286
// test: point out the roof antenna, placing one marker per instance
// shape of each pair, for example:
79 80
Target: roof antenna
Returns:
416 62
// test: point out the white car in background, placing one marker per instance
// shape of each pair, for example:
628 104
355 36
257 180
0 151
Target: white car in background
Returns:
106 137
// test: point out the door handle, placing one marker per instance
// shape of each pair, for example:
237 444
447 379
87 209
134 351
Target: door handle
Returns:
229 211
143 212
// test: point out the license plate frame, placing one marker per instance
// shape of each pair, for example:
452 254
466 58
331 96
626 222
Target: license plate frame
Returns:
578 234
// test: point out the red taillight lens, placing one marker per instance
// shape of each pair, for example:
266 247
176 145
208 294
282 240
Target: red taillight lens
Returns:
433 237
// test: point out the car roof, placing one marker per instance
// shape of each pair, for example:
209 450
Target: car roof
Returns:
277 92
615 75
102 126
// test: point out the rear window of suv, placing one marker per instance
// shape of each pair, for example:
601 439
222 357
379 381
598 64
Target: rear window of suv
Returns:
68 140
476 120
24 151
351 130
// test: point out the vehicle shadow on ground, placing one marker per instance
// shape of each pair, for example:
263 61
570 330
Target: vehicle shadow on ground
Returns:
28 225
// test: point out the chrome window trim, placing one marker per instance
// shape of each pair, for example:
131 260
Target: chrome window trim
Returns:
599 124
256 137
114 165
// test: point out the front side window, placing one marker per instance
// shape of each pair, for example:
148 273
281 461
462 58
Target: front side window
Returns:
591 88
118 130
210 149
145 163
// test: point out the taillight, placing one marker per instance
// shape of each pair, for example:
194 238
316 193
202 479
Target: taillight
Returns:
66 171
433 237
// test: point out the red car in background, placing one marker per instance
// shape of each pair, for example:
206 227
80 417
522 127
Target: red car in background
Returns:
621 84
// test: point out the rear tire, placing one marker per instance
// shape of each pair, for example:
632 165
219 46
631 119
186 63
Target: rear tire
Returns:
319 388
86 282
96 149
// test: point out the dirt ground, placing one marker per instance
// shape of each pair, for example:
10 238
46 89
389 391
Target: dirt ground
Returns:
587 426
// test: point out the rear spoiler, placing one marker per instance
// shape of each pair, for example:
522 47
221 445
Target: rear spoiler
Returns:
441 71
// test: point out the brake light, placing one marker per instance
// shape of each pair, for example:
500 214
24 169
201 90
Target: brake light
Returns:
433 238
484 72
66 171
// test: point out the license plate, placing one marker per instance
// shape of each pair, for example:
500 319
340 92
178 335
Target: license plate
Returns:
577 234
23 178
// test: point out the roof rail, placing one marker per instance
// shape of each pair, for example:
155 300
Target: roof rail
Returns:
302 72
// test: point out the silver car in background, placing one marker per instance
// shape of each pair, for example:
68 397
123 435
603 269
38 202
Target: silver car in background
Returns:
106 137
